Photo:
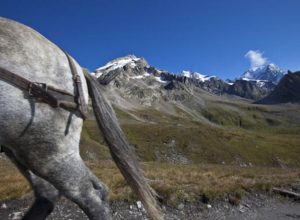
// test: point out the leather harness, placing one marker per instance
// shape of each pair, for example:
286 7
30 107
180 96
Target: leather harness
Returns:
44 93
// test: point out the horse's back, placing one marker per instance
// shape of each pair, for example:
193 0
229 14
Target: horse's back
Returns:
25 52
29 54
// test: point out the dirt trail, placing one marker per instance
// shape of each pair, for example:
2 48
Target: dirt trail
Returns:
253 206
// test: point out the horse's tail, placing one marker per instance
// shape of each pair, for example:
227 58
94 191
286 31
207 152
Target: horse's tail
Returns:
120 150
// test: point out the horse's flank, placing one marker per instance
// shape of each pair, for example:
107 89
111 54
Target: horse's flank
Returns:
26 52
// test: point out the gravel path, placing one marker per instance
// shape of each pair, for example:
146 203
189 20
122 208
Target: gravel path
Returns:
253 206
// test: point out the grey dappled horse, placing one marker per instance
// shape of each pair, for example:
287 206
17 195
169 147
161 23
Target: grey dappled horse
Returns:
44 141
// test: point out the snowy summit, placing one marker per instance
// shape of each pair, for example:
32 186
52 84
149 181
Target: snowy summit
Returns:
269 72
195 75
116 64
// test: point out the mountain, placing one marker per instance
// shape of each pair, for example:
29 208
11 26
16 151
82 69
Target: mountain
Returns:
115 67
287 90
269 72
133 82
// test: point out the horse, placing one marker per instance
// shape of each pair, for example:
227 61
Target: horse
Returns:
43 140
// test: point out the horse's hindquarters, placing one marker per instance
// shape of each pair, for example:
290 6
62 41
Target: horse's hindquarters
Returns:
25 123
15 113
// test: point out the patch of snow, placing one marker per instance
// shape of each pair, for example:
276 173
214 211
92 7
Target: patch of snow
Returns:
186 73
195 75
141 76
138 77
132 65
273 67
248 74
247 79
157 78
260 83
160 80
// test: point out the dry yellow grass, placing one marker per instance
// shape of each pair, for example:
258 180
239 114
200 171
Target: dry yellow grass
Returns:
175 183
12 183
189 182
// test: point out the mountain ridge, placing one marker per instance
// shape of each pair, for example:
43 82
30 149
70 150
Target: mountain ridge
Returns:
138 68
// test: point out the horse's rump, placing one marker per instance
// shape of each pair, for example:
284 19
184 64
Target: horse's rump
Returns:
27 53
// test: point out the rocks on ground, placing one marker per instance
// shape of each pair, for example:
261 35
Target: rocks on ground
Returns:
253 205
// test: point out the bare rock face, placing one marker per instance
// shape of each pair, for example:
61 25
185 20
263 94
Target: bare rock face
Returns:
250 89
288 90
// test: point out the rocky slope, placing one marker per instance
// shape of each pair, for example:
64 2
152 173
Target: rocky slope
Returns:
250 89
288 90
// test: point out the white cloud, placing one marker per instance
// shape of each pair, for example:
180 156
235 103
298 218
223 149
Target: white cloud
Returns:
256 58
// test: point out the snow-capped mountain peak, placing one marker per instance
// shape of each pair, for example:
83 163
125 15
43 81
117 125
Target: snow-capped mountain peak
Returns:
195 75
116 64
269 72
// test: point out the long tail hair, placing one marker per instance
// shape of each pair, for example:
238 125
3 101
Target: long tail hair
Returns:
121 152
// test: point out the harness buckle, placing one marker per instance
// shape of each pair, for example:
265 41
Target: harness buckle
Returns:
76 78
39 91
36 86
30 89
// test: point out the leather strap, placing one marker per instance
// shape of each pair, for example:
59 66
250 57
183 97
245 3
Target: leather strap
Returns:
43 93
40 91
79 96
48 94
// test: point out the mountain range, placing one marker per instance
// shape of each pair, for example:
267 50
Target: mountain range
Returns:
193 118
255 83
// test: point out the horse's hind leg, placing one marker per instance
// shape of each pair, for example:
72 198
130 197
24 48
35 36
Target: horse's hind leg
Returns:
68 173
45 198
45 194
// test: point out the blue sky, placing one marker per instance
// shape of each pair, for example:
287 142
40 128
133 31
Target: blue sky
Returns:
208 36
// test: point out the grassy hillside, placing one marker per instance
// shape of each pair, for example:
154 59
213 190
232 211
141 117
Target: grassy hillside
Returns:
223 133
